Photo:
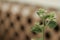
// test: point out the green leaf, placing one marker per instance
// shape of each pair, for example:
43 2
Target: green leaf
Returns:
47 16
52 15
52 24
36 29
40 12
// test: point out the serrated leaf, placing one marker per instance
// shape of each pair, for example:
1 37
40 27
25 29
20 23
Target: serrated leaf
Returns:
40 12
37 28
52 24
47 16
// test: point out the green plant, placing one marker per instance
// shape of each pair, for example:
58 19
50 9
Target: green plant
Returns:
48 19
37 28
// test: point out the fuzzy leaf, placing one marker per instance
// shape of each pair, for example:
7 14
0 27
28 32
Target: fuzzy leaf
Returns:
52 24
37 28
40 12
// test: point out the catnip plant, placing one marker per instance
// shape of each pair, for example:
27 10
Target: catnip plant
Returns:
47 19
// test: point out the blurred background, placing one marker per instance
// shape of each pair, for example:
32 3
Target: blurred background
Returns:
46 4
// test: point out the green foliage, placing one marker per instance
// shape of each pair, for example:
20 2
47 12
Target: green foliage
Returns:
52 24
50 16
48 20
40 11
37 28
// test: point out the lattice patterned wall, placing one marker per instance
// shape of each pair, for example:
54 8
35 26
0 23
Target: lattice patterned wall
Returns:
16 21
